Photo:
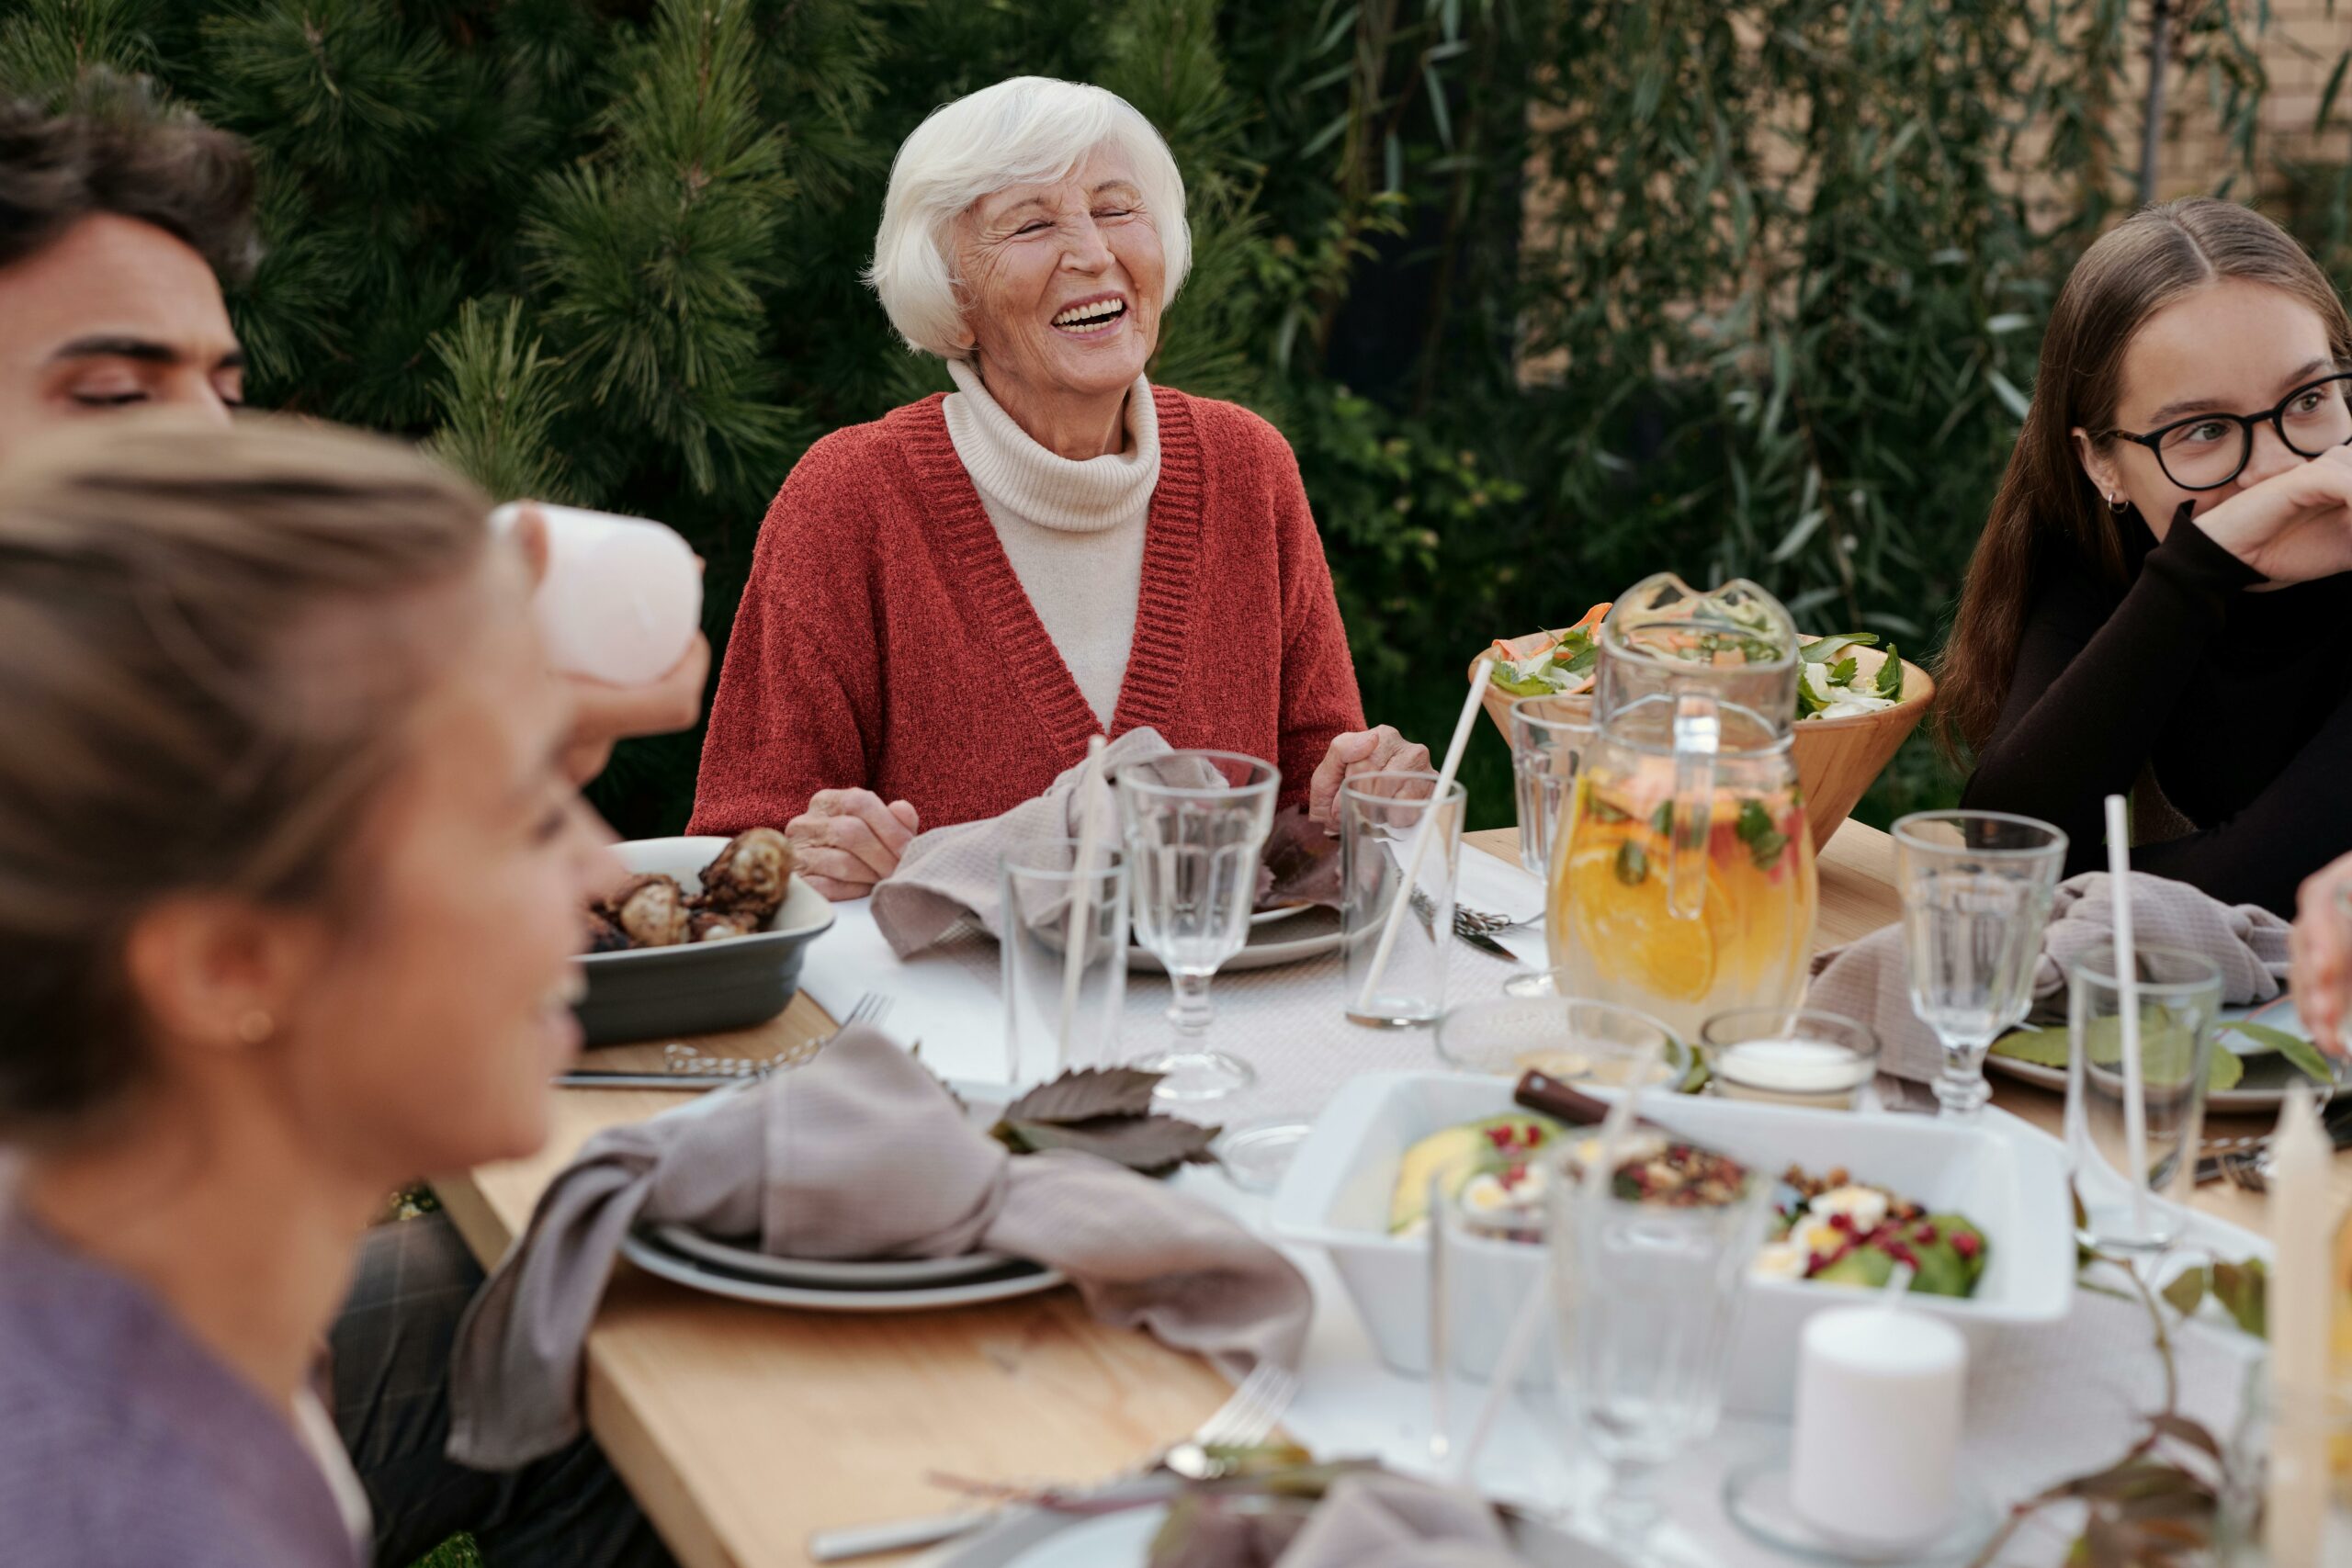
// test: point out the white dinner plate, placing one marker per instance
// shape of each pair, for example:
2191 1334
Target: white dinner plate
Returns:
829 1274
1313 934
2264 1087
654 1259
1035 1539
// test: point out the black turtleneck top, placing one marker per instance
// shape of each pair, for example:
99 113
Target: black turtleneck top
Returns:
2234 701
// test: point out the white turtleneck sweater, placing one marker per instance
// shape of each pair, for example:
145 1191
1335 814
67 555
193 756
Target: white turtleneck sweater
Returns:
1072 528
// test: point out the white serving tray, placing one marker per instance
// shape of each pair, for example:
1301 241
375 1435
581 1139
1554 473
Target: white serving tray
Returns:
2011 1181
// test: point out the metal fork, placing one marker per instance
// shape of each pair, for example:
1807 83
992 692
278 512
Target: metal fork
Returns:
1240 1422
1478 922
687 1067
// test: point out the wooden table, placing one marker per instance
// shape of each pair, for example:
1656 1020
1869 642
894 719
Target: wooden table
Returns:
741 1428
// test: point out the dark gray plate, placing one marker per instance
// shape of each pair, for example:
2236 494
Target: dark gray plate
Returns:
659 993
841 1274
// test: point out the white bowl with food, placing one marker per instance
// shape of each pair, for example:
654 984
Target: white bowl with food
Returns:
676 957
1342 1193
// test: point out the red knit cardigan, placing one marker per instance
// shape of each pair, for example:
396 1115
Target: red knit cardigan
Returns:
884 640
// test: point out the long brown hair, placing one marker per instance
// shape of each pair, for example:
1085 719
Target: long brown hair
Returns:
166 594
2046 502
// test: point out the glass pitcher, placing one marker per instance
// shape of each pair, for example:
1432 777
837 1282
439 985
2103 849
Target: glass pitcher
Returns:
1682 883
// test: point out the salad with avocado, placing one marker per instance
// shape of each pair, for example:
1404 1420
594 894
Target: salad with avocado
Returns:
1836 1230
1831 682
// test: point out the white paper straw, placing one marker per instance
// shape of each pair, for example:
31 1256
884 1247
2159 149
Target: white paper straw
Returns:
1422 832
1082 901
2127 1004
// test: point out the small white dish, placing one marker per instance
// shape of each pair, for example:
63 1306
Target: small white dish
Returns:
1756 1499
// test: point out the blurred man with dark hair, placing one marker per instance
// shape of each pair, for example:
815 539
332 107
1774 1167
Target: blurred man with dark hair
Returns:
118 219
116 225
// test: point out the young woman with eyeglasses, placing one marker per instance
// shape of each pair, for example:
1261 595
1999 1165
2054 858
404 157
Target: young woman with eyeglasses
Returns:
2162 599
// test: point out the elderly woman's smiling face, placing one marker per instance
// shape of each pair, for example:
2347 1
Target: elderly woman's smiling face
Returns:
1062 283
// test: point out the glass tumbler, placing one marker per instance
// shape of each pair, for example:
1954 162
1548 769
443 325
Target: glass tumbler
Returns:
1399 842
1548 736
2136 1207
1646 1296
1065 958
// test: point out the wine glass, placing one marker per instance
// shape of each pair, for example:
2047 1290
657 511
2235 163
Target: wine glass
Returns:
1645 1294
1196 823
1976 889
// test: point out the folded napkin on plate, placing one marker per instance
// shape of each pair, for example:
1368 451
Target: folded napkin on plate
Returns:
950 872
860 1154
1867 979
1377 1521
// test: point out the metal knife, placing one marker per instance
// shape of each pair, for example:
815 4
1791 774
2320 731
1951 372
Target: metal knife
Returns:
1484 943
606 1078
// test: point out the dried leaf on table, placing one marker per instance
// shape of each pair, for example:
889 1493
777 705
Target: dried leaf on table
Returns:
1302 862
2243 1289
2186 1292
1152 1144
1082 1094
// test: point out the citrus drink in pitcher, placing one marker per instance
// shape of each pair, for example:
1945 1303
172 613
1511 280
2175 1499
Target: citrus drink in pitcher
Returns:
1682 881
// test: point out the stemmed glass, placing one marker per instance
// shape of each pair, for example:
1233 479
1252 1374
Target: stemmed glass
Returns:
1645 1295
1196 823
1976 889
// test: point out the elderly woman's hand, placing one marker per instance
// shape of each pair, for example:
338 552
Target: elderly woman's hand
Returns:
847 840
1378 751
2320 950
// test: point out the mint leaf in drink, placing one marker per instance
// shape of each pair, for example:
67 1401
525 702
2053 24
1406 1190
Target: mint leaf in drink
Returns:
1632 864
1662 819
1756 830
1888 683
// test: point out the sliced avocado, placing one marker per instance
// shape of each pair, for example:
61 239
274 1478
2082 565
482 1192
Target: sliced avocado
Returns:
1459 1153
1949 1225
1865 1265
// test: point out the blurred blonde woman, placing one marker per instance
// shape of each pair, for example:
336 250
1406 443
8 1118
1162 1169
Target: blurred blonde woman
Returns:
289 881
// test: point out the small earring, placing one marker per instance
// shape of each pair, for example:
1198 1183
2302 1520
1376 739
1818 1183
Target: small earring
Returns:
2116 504
255 1027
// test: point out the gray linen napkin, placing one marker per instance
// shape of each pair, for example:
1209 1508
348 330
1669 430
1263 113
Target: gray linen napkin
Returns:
950 872
1378 1520
860 1154
1867 979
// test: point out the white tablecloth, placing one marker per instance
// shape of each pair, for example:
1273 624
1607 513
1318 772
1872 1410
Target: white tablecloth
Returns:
2051 1403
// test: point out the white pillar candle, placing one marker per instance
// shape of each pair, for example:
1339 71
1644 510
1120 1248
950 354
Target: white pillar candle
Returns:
621 599
1878 1420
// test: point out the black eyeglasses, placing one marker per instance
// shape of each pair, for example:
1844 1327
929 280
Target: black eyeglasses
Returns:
2206 451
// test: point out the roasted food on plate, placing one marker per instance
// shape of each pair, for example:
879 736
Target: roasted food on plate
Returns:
742 889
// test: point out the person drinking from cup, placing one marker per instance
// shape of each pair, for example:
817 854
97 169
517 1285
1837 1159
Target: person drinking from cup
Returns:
2158 603
946 604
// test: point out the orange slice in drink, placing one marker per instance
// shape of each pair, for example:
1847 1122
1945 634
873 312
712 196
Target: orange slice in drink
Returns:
1617 899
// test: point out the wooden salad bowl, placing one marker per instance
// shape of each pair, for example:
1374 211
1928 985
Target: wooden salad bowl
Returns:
1837 759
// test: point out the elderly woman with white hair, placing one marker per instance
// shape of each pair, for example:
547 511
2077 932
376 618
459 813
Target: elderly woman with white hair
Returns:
946 604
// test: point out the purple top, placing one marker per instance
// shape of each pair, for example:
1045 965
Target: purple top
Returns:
124 1443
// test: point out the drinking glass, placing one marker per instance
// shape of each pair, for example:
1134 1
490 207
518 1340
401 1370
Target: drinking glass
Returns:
1397 980
1563 1037
1800 1056
2180 994
1055 1016
1196 823
1548 736
1645 1297
1976 887
1480 1241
